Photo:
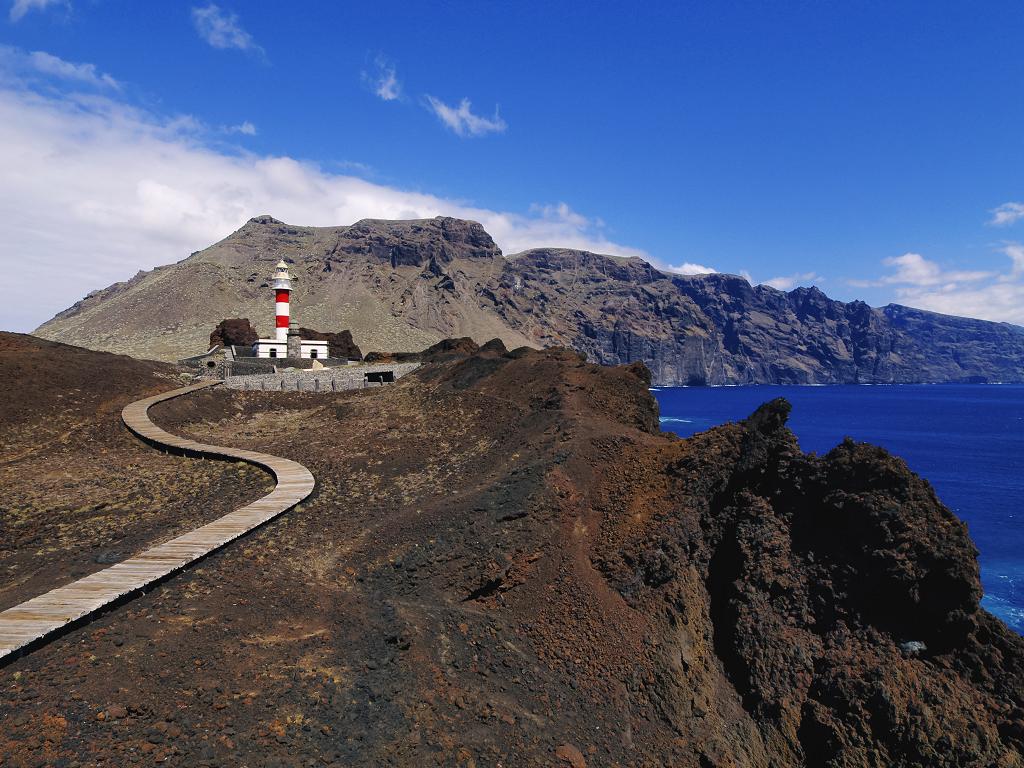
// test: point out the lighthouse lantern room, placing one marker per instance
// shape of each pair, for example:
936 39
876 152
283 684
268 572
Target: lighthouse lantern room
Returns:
279 345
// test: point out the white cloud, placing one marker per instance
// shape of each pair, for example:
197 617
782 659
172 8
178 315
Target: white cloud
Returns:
221 29
384 79
1000 301
1016 253
462 121
549 226
689 268
915 269
1006 214
49 64
95 189
789 282
987 295
20 7
245 128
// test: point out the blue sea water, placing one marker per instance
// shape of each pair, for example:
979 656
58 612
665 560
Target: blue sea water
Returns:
967 440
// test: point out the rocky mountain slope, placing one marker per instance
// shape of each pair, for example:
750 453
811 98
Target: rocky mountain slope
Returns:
507 563
403 285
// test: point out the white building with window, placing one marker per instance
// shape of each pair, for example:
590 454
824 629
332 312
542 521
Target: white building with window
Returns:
273 348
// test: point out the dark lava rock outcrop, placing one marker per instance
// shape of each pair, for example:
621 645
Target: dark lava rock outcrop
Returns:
446 349
233 331
838 596
339 345
405 285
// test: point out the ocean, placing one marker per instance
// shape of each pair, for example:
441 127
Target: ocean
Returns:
967 440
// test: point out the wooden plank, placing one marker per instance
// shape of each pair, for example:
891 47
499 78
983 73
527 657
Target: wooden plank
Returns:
35 619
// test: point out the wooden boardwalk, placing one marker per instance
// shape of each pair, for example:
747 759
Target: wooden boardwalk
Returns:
31 621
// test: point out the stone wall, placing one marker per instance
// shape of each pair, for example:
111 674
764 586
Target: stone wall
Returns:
335 379
249 366
211 365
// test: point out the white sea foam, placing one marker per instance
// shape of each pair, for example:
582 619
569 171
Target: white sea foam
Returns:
1005 610
675 419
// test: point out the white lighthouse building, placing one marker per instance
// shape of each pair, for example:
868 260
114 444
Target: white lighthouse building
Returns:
283 327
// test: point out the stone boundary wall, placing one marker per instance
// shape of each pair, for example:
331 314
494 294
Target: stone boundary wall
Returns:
223 364
248 366
335 379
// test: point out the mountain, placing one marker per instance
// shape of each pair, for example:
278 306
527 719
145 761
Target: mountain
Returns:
404 285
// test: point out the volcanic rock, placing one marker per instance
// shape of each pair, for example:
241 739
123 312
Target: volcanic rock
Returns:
339 345
506 558
446 349
234 331
571 755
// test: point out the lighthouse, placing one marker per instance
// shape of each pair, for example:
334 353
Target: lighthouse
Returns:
286 342
282 284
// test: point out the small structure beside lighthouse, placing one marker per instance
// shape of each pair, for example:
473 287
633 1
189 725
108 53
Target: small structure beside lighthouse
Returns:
286 342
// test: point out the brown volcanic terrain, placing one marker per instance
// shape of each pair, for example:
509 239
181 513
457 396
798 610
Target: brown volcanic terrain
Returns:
404 285
79 491
506 563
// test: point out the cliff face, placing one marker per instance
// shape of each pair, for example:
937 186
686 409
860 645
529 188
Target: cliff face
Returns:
835 598
404 285
719 329
506 562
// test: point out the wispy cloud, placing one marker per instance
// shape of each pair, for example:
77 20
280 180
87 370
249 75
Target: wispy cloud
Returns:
133 189
989 295
789 282
915 269
49 64
552 225
246 128
354 166
689 268
1015 252
36 67
383 80
221 29
1006 214
461 119
20 7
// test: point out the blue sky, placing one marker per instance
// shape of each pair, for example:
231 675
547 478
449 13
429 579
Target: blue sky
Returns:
873 149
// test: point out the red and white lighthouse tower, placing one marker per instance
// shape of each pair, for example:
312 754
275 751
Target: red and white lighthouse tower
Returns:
282 284
286 341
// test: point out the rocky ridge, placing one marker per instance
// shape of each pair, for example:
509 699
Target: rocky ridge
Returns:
404 285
